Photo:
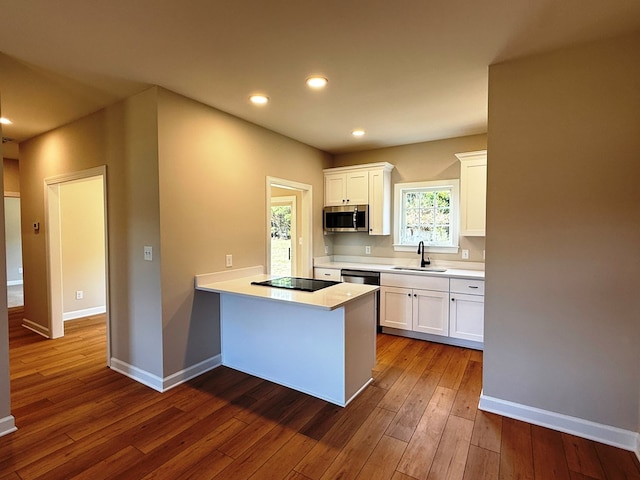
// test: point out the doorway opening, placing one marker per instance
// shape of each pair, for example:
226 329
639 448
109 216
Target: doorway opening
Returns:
292 203
13 245
77 252
284 237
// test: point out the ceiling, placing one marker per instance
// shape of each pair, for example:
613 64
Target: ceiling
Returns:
405 71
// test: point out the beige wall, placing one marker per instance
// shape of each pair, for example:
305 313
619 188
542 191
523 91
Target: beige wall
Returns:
123 137
213 170
562 329
413 163
11 176
82 244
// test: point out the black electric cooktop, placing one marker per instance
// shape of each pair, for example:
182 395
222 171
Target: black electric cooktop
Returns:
296 283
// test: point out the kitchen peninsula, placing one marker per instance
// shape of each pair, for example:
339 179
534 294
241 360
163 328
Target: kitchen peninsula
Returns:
322 343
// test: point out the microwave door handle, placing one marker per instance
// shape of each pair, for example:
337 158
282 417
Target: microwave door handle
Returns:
355 219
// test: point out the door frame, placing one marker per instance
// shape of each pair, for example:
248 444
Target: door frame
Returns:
305 230
54 248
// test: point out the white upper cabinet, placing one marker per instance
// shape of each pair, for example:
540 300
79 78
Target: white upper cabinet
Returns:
367 184
351 188
473 193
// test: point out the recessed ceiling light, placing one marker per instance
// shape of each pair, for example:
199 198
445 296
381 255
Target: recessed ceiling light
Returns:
259 99
5 121
357 133
317 81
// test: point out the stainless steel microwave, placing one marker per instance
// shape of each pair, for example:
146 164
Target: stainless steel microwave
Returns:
346 218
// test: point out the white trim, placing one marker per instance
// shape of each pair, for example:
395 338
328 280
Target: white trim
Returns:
7 425
163 384
305 230
86 312
13 283
35 327
614 436
137 374
454 211
191 372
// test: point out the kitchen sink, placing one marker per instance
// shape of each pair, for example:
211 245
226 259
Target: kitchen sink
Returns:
421 269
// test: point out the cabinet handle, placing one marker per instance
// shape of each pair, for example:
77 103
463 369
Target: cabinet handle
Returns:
408 294
327 274
453 299
415 294
472 286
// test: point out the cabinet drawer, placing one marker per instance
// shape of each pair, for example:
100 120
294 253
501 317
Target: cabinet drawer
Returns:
470 287
423 282
326 274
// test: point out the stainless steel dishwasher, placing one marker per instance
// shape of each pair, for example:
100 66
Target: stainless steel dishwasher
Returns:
367 278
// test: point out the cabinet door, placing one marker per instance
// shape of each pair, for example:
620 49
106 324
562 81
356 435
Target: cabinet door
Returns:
335 189
357 188
473 193
379 203
431 312
467 317
396 307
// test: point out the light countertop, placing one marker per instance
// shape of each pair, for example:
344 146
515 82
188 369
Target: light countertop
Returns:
328 298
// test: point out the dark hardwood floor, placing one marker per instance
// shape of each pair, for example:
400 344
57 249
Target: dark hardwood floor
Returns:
77 419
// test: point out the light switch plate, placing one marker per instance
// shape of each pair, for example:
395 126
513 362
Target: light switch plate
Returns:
148 253
465 254
229 260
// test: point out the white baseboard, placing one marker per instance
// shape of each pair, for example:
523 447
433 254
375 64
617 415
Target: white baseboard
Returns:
35 327
7 425
137 374
192 372
87 312
617 437
13 283
163 384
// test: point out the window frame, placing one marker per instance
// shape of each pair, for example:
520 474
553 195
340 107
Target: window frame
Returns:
454 186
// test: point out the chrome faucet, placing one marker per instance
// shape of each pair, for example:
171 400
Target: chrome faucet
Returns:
423 262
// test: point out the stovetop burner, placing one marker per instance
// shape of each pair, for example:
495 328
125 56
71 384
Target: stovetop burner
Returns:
297 283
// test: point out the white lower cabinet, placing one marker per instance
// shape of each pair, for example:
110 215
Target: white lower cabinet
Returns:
466 314
452 309
416 309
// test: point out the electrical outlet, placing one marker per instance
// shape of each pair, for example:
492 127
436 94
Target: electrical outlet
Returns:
483 254
79 294
326 249
367 250
148 253
228 260
20 270
465 254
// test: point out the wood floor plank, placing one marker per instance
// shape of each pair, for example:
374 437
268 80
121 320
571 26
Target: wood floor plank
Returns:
421 450
78 419
487 431
316 462
355 453
549 459
451 457
482 464
382 463
466 402
582 457
285 459
516 451
405 422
